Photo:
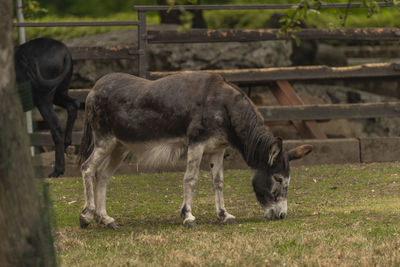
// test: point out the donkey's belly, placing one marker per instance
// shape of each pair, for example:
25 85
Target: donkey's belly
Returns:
160 152
167 151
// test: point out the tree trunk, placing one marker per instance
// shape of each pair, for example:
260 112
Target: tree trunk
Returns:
173 16
25 236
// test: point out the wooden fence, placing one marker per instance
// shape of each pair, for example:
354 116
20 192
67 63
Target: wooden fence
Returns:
292 110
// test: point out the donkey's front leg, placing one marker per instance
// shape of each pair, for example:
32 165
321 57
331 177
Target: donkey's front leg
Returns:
194 155
217 174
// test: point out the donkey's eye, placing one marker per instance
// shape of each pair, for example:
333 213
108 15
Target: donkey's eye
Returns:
278 179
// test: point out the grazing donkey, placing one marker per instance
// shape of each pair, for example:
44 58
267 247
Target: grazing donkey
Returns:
47 65
184 114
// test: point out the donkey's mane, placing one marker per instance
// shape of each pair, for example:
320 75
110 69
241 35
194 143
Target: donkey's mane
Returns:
252 138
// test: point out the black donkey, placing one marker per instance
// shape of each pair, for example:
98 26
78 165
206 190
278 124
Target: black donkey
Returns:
47 65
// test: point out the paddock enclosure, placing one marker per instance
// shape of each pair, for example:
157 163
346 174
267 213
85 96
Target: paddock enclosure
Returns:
292 110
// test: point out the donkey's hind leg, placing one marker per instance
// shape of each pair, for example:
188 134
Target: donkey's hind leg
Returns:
63 100
102 149
217 174
194 155
103 176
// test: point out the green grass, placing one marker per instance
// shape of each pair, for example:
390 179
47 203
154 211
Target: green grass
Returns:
345 215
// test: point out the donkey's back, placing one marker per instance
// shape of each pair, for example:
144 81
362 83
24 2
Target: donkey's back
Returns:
138 110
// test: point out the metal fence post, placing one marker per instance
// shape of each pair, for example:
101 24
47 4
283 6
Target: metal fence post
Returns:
22 39
142 40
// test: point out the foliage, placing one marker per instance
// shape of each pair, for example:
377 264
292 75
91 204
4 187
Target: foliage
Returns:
325 18
291 23
344 215
32 9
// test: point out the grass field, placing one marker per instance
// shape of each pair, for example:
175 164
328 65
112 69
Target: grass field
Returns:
345 215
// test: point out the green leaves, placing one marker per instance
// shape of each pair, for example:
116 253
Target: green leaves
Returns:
293 22
33 10
372 6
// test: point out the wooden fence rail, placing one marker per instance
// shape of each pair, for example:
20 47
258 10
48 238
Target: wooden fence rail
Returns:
262 75
331 111
110 52
265 75
240 35
286 113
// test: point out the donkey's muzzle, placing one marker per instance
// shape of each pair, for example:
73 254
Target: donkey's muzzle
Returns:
276 211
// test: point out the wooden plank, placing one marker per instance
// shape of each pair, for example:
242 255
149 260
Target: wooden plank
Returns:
331 111
263 75
286 96
79 94
246 35
327 151
110 52
45 139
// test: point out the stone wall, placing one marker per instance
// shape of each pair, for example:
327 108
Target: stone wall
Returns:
166 57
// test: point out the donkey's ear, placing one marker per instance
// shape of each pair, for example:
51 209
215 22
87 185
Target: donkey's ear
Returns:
275 150
299 152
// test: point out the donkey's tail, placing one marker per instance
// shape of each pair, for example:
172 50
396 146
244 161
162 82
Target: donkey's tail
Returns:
86 147
37 77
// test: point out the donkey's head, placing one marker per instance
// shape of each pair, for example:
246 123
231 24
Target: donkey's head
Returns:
271 182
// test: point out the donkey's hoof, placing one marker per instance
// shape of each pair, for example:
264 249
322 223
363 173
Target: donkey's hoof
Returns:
190 224
229 220
112 226
56 173
84 224
86 217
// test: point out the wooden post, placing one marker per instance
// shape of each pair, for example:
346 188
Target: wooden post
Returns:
286 96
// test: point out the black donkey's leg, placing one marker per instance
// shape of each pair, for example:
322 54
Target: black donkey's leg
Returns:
63 100
49 115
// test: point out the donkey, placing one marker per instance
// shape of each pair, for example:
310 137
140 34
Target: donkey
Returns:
47 65
190 114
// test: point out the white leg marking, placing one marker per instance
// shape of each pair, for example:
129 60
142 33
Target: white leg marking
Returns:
103 176
217 175
195 153
89 169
